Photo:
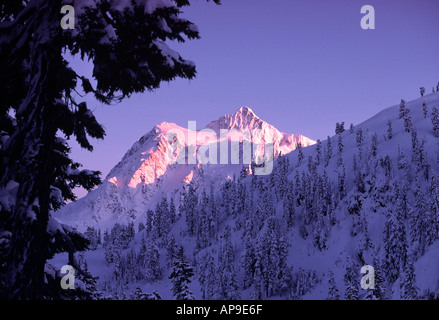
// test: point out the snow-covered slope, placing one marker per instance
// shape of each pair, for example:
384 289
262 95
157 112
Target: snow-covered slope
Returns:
244 120
148 170
366 196
401 152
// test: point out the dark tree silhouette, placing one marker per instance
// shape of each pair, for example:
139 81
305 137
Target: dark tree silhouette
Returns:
125 42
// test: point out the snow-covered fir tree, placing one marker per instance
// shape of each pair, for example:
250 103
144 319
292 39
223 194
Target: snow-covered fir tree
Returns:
424 109
339 128
40 89
408 125
351 280
181 277
228 287
409 290
318 152
339 149
435 121
379 292
395 241
333 293
389 130
300 155
402 108
153 270
248 263
328 153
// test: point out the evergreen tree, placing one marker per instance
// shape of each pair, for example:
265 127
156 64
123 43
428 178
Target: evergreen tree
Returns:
320 233
248 263
365 242
85 284
90 291
379 292
289 206
141 258
424 109
201 272
114 243
420 226
402 111
213 213
328 151
408 126
339 128
165 219
359 137
203 232
228 288
39 88
153 271
333 293
271 271
181 277
172 212
265 206
132 266
402 163
171 251
351 128
318 152
149 218
130 231
311 166
260 267
92 235
409 289
119 267
211 280
208 277
435 121
351 280
228 284
157 223
374 144
359 179
190 203
281 178
300 154
422 91
433 219
389 130
283 276
342 182
395 241
340 150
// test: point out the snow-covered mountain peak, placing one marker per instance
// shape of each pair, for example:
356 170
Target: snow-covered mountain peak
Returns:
245 112
243 119
148 169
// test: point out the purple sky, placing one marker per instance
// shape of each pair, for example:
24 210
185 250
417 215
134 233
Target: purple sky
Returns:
301 65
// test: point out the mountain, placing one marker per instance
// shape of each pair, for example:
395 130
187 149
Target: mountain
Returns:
148 170
363 204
